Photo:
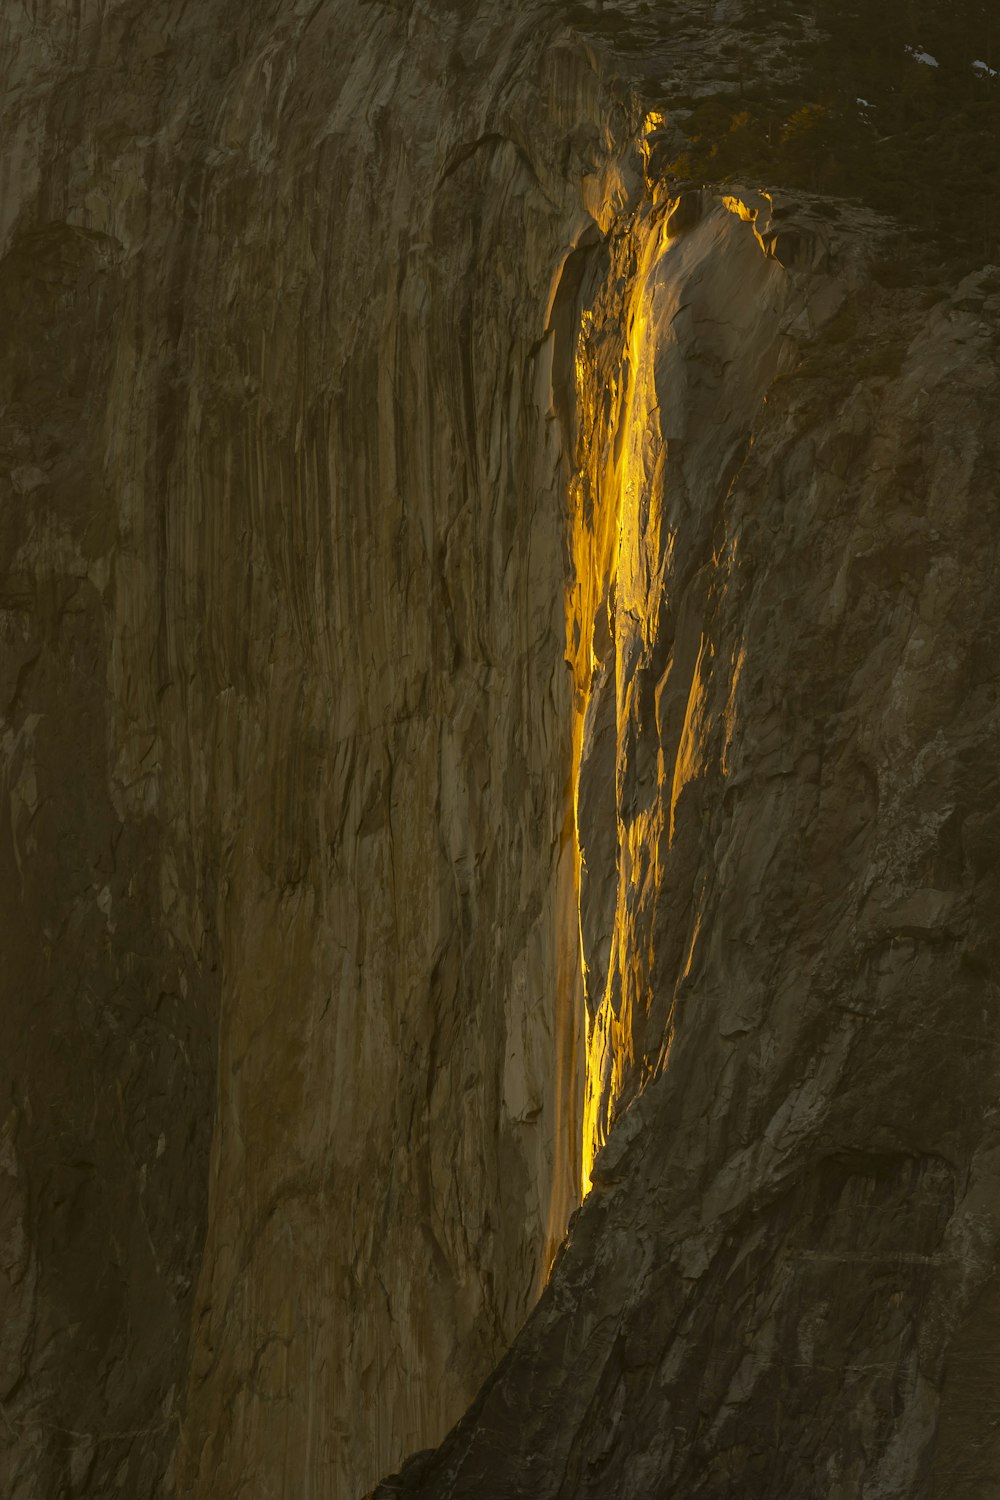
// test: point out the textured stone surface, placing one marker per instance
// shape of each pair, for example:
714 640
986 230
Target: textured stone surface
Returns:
287 732
782 1281
361 371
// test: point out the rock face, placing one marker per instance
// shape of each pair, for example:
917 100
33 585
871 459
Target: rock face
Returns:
498 702
287 735
781 1282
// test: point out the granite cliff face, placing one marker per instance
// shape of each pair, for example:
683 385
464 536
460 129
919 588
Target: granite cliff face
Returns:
289 862
499 704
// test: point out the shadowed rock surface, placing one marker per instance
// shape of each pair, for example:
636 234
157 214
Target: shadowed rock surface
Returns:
498 688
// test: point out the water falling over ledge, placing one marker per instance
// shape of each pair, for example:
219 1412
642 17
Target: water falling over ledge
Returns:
672 360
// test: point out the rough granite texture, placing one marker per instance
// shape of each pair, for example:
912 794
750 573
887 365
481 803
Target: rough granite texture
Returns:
286 737
496 648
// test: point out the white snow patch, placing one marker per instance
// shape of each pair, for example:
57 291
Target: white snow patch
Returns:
923 57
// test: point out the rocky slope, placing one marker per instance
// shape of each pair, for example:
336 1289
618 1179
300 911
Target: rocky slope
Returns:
499 700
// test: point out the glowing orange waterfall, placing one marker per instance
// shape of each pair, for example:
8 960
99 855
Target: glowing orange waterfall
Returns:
672 360
615 419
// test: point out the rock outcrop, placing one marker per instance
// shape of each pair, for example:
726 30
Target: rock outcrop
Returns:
498 706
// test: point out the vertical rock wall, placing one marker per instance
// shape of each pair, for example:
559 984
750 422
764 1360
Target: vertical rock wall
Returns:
379 485
287 730
110 970
783 1278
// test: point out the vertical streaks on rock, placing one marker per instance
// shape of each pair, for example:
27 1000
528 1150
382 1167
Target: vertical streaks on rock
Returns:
396 1149
286 730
